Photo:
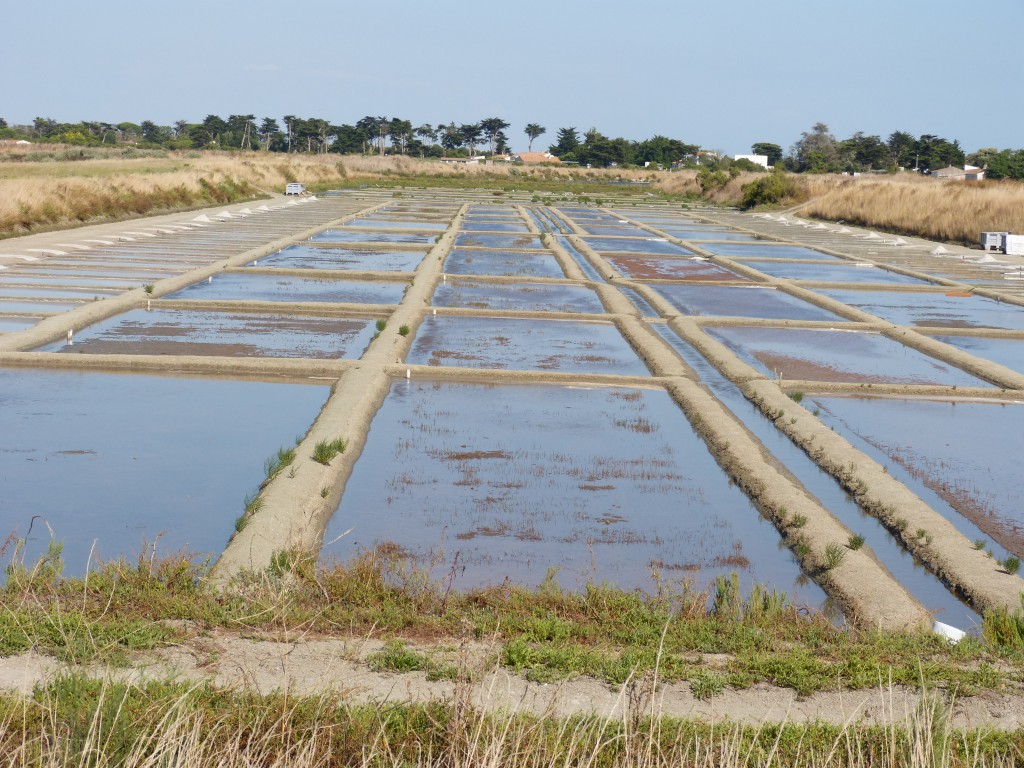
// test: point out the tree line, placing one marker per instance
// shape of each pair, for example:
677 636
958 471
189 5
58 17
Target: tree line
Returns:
816 151
370 135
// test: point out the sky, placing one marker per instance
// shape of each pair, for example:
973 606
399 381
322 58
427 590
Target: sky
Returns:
722 74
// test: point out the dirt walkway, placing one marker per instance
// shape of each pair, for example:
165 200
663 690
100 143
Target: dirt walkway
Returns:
311 665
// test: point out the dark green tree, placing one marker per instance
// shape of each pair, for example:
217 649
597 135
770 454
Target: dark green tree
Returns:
469 136
566 142
901 149
533 131
817 151
772 151
491 127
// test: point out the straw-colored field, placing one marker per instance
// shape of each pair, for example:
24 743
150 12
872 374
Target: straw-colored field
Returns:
59 192
955 211
40 192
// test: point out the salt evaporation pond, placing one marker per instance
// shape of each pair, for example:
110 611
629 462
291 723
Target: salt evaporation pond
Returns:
858 357
706 234
517 344
763 251
368 260
524 297
966 452
1008 352
671 268
741 301
465 261
485 225
935 310
124 461
484 240
358 236
236 286
833 273
636 245
604 484
230 334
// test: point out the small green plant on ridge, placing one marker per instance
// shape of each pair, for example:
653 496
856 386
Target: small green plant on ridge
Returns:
325 450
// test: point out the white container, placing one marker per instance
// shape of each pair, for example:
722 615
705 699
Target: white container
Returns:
993 241
1014 245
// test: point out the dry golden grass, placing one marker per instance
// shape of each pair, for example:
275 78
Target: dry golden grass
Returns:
59 192
952 211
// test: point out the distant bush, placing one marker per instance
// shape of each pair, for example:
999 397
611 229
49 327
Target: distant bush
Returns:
775 188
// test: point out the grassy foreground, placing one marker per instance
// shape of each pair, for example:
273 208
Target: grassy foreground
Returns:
631 640
82 722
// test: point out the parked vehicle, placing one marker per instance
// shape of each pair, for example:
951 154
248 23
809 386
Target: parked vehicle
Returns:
294 188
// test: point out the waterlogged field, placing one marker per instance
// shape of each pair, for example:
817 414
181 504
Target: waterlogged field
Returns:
485 482
658 268
763 303
603 484
465 261
256 287
967 453
516 344
233 334
527 297
115 464
359 259
934 310
838 356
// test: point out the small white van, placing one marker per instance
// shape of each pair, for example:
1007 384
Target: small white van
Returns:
294 189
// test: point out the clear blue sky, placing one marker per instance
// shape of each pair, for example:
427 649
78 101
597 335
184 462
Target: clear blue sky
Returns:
719 74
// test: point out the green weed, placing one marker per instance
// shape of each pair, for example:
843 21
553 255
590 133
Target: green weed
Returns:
325 450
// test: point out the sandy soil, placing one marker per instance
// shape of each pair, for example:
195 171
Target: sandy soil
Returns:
311 665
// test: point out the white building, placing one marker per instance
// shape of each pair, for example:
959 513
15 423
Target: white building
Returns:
761 160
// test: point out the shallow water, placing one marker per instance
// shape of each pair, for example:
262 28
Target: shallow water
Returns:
1008 352
965 454
51 307
230 334
527 297
368 260
257 287
517 344
581 261
494 482
462 261
837 356
707 234
767 251
653 267
741 301
353 236
648 244
638 301
83 294
382 223
490 225
921 583
933 309
832 273
123 460
482 240
17 323
48 280
621 230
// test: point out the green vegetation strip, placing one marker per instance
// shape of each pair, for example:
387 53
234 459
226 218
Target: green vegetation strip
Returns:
78 721
545 634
